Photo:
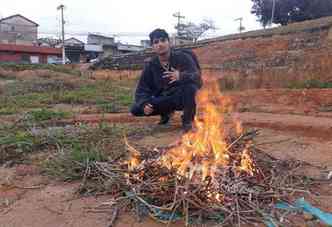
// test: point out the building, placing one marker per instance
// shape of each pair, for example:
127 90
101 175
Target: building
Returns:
128 48
93 51
74 50
17 29
146 43
100 39
24 54
108 44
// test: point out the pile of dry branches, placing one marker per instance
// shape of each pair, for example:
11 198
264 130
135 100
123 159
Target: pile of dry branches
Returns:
229 197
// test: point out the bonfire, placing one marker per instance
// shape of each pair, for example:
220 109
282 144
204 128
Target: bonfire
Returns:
212 174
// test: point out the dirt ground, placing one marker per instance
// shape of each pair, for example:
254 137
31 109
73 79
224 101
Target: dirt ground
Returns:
293 124
28 199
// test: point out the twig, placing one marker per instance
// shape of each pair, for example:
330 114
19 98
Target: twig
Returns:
53 211
238 213
115 214
29 187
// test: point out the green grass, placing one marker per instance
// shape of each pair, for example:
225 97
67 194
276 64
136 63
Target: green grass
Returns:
21 102
71 152
7 110
37 86
45 114
100 144
20 139
84 95
72 164
107 96
16 143
313 83
106 106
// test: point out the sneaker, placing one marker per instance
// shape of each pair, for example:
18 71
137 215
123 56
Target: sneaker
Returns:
164 119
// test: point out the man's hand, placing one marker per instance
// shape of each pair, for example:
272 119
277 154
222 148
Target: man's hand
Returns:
173 75
148 109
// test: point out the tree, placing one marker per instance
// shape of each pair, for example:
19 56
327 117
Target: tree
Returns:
191 31
288 11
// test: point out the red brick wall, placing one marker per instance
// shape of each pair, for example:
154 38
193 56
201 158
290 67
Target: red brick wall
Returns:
273 61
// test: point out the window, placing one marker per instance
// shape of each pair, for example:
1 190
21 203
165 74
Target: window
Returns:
12 28
34 59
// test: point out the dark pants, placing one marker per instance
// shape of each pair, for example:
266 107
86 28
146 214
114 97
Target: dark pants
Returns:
183 98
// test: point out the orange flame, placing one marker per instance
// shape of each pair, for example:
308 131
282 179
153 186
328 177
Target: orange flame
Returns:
204 151
247 164
134 156
206 146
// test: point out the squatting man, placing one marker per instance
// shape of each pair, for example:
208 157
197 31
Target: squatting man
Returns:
169 82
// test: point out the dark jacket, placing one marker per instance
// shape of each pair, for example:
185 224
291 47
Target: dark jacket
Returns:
152 82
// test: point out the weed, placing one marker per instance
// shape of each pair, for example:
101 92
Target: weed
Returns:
74 161
7 110
108 96
45 114
92 144
106 106
312 83
15 143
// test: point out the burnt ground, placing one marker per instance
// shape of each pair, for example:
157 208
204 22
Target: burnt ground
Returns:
291 125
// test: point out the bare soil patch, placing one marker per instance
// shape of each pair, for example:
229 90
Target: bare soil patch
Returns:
314 102
59 205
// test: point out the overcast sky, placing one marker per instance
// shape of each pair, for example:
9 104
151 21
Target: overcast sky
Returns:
130 17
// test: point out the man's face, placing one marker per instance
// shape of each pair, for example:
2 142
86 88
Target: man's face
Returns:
161 46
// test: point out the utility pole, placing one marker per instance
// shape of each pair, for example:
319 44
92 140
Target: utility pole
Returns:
241 28
273 9
179 16
61 7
